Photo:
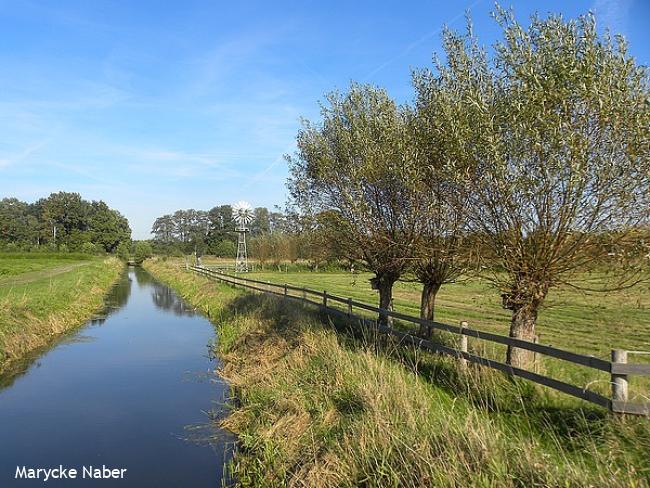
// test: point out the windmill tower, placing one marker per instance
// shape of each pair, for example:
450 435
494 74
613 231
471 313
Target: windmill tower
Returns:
242 214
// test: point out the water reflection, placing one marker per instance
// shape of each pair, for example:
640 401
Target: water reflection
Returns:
166 299
142 277
119 295
116 298
139 392
163 297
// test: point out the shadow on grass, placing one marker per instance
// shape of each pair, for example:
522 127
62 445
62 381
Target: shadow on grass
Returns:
519 401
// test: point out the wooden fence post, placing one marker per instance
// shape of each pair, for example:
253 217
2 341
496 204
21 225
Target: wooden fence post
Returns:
619 381
325 299
463 344
285 289
349 307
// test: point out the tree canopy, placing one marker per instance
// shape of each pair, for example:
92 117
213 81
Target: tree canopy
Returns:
62 219
532 159
357 163
209 231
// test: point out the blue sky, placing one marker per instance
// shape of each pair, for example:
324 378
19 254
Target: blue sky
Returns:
154 106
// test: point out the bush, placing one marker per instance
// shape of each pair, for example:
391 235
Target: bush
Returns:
123 252
225 249
11 247
143 250
89 248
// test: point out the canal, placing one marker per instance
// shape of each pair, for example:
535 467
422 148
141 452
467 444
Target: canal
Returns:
133 389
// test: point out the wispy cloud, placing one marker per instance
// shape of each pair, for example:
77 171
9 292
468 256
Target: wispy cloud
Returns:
613 14
409 47
22 155
176 164
228 60
264 172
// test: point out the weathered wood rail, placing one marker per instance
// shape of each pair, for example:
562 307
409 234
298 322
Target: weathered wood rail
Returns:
618 368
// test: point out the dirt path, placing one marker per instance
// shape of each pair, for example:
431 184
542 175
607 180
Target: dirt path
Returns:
31 276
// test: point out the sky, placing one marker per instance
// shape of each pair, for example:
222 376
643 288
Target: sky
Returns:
154 106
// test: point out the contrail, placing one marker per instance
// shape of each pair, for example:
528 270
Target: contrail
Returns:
415 44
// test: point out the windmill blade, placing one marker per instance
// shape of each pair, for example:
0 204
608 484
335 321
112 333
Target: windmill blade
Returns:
242 213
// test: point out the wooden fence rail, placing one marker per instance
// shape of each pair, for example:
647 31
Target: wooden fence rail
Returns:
618 368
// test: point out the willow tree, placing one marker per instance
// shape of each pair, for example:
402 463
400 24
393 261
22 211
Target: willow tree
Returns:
441 254
356 164
555 148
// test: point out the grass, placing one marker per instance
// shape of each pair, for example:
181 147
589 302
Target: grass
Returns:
321 404
12 264
586 323
592 324
33 311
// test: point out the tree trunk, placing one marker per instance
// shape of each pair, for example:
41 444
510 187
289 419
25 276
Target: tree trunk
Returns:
385 288
427 306
522 327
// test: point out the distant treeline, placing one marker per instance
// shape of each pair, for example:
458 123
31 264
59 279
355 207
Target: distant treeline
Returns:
211 231
61 222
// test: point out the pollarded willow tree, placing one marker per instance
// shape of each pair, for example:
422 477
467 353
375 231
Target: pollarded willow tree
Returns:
555 148
442 254
357 165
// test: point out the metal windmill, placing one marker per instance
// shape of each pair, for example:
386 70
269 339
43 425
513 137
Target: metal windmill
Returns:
242 214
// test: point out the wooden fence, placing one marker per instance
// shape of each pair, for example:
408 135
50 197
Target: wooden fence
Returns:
618 368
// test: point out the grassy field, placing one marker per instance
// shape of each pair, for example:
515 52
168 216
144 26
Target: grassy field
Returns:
12 264
318 405
43 296
591 324
586 323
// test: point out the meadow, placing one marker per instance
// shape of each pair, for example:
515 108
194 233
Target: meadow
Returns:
589 323
12 264
318 404
584 322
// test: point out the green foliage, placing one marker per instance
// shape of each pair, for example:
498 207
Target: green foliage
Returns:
213 232
530 162
141 251
358 167
550 137
225 249
89 248
123 251
107 227
62 219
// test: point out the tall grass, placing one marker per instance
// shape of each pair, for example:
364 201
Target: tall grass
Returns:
33 313
321 403
572 320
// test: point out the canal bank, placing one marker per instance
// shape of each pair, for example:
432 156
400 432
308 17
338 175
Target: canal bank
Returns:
36 310
132 390
319 404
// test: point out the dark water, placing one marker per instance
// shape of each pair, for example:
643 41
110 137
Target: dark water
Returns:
133 390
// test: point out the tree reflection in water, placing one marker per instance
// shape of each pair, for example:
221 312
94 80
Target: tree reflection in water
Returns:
115 299
163 296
